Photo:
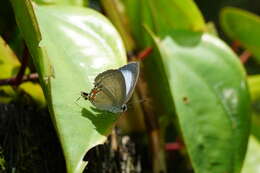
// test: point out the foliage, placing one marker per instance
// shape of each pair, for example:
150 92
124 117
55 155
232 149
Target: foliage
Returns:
198 90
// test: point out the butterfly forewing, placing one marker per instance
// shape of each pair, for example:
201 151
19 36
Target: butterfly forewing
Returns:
103 75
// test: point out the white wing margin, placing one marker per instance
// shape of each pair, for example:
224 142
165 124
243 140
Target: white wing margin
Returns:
131 75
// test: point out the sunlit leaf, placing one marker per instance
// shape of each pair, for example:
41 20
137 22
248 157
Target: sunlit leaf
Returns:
70 46
252 160
35 91
208 86
62 2
8 65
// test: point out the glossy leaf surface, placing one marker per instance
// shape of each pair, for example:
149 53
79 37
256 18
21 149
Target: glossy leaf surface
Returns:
62 2
70 46
208 86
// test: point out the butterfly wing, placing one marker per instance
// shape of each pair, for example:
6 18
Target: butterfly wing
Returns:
103 101
131 74
112 85
103 75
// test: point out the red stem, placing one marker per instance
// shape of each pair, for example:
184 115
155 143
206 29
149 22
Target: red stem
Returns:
13 81
21 72
144 53
244 57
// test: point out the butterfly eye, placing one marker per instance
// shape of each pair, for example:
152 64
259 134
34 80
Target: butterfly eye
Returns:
124 108
84 95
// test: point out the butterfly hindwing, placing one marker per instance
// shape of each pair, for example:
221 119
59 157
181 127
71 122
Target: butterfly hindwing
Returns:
112 83
103 101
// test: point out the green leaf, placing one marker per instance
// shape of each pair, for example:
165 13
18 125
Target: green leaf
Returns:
112 10
238 24
254 83
139 14
208 86
176 14
70 46
35 91
162 16
8 65
62 2
8 61
252 160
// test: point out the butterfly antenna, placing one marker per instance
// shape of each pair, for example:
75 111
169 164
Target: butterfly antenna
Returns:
78 98
77 103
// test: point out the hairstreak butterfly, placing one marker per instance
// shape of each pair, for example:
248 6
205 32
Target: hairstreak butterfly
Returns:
113 88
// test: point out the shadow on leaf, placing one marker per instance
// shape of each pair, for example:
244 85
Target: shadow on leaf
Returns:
102 120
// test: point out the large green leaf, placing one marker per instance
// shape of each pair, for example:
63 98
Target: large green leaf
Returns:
139 14
70 46
160 16
176 14
244 27
208 85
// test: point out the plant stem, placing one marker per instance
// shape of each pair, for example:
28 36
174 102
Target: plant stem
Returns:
151 120
13 81
152 127
245 56
144 53
20 74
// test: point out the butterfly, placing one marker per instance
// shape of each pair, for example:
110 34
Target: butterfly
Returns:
113 88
